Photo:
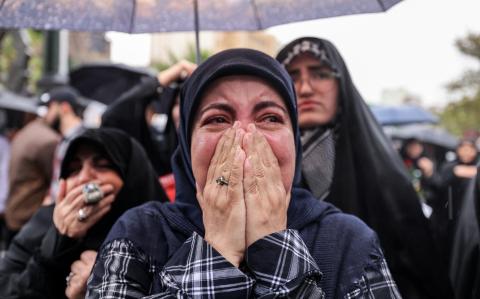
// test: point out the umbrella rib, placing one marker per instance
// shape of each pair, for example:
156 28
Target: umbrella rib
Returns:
132 18
255 13
382 5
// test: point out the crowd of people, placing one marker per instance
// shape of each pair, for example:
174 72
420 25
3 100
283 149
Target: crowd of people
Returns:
269 178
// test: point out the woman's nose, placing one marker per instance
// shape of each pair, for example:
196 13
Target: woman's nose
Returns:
304 86
242 124
86 174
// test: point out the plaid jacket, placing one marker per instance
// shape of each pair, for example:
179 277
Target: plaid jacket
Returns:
277 266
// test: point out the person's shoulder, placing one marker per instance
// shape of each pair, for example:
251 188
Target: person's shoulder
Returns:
348 226
344 233
144 229
37 134
139 219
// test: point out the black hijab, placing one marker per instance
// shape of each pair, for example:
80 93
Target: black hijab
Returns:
140 183
128 114
303 208
180 219
370 181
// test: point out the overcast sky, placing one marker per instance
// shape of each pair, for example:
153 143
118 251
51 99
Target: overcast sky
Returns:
411 46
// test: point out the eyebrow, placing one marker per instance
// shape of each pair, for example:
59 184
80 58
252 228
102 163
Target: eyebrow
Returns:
220 106
267 104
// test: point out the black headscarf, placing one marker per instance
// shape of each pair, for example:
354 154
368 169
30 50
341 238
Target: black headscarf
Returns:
370 181
140 183
52 254
128 115
185 215
302 207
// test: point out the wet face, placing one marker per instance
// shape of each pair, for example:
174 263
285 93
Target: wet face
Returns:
466 152
316 88
248 100
87 165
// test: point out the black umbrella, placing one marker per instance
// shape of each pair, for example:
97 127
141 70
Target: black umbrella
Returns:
106 82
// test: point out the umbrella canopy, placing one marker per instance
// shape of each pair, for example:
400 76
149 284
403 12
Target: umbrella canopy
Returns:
402 115
424 133
15 102
142 16
105 82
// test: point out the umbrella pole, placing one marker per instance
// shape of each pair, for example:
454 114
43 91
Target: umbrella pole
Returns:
198 57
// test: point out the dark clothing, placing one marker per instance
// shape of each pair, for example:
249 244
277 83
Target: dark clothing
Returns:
370 181
449 199
335 256
465 257
128 114
39 258
340 246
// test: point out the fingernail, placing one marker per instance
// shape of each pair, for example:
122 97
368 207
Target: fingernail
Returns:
236 124
251 127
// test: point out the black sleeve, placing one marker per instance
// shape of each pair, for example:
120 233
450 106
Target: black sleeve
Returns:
22 274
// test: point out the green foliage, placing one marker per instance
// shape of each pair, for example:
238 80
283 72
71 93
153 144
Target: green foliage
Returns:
9 55
173 58
464 114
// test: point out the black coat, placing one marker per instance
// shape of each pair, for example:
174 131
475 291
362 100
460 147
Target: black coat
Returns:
465 257
39 257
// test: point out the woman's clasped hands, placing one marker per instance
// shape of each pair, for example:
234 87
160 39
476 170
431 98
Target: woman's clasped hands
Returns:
244 198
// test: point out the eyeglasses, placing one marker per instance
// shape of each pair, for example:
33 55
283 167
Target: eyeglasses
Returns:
315 77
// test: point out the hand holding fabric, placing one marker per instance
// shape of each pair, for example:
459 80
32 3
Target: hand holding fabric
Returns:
223 206
66 211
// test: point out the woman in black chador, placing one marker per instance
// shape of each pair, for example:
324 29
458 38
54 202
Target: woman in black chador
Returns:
349 162
104 173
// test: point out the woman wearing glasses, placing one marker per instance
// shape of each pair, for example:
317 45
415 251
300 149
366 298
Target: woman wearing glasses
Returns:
348 161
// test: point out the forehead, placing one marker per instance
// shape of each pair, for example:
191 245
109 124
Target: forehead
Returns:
467 145
87 150
240 91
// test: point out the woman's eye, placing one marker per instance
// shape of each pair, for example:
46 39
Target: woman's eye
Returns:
272 119
72 171
104 164
323 74
216 120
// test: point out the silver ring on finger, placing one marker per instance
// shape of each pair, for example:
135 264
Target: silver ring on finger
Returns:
69 278
82 215
221 181
92 193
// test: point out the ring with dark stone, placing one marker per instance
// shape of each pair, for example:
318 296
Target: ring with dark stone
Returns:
222 181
